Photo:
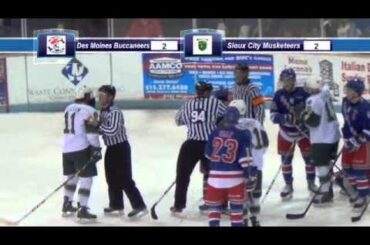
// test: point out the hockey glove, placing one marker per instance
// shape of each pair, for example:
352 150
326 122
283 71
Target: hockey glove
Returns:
298 114
95 153
352 144
251 178
279 118
251 183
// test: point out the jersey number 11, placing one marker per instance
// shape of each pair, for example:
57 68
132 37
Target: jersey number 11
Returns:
69 129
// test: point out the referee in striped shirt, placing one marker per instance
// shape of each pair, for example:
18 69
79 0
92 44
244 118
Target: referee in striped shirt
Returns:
200 115
117 160
250 93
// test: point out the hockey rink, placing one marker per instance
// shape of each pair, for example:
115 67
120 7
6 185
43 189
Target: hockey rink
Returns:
31 167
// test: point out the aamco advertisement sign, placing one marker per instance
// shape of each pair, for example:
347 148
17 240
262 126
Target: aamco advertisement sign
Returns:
172 76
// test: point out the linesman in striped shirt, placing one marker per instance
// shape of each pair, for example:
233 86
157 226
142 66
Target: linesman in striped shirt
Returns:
250 93
117 160
200 115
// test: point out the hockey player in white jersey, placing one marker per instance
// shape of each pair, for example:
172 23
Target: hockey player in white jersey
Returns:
259 145
319 116
81 150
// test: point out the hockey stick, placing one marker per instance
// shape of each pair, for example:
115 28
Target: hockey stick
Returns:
271 184
152 210
275 177
301 215
359 216
9 222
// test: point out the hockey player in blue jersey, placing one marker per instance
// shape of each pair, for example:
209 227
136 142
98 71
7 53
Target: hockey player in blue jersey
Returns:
228 150
224 96
356 134
287 105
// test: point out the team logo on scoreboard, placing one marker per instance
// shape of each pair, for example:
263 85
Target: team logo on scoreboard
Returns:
75 71
56 45
165 67
202 45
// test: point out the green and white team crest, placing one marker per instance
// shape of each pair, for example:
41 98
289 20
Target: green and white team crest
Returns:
202 44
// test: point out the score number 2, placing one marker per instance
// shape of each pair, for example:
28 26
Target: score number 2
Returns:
164 45
322 45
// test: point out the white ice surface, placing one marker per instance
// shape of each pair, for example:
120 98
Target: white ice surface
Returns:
31 167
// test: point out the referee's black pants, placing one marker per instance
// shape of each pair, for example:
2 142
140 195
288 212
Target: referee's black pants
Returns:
190 153
118 174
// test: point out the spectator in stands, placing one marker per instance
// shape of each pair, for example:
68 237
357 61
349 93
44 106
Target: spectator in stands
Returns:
315 32
244 31
60 26
247 27
347 28
364 26
330 28
222 27
272 27
145 28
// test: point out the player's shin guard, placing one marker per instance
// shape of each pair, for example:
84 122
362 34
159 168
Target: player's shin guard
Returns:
324 177
258 190
236 216
362 183
310 170
351 178
287 169
70 187
214 215
84 191
254 206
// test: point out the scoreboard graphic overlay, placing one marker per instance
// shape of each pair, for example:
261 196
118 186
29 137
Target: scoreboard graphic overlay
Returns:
172 65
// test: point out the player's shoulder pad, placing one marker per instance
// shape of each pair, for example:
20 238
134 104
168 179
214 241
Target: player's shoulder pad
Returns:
91 110
68 106
241 126
246 123
366 106
312 100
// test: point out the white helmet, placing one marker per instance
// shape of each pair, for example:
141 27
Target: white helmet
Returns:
314 82
81 92
240 105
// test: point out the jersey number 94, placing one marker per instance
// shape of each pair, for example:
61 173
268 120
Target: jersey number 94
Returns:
198 116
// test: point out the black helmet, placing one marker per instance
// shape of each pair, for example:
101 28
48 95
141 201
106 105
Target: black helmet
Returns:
201 87
109 89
